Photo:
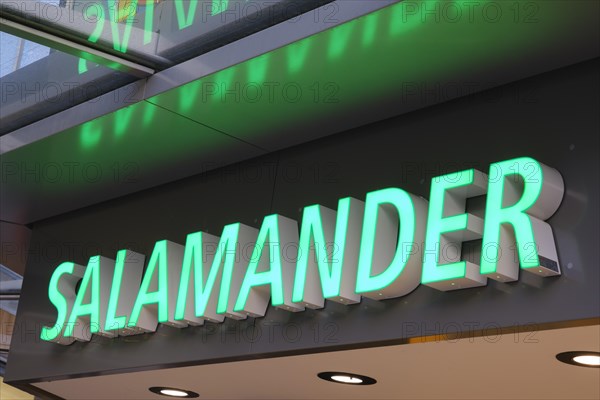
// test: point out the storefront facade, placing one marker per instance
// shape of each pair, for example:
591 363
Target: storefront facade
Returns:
500 331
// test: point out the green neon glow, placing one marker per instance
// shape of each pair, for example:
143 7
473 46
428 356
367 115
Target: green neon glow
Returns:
89 13
214 89
330 273
90 281
189 94
192 256
370 29
160 297
114 322
92 13
438 225
122 120
58 300
118 44
219 6
82 66
149 21
148 115
399 31
185 20
202 290
339 40
227 245
257 69
297 53
406 211
90 135
516 215
224 82
272 277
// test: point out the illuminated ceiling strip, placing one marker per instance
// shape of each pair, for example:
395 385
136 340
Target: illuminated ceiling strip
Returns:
74 49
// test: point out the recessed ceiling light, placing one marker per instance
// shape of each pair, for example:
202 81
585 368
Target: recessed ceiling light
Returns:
173 392
346 378
590 359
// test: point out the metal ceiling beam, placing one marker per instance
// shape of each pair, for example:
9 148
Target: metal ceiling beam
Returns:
74 49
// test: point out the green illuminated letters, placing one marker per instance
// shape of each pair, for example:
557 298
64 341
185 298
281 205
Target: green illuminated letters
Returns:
61 292
148 22
183 20
197 300
334 259
383 258
219 6
116 15
157 295
274 277
383 248
447 227
127 274
87 304
522 193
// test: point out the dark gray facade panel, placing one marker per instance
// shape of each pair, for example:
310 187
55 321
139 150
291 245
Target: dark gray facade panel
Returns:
552 118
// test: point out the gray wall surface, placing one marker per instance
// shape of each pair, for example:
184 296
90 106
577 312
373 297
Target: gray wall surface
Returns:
552 118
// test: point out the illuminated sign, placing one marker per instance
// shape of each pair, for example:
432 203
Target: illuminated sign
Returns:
381 248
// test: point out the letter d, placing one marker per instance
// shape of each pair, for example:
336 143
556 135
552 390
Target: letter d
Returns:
394 223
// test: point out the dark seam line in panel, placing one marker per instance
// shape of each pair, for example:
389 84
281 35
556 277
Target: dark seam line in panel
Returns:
208 126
